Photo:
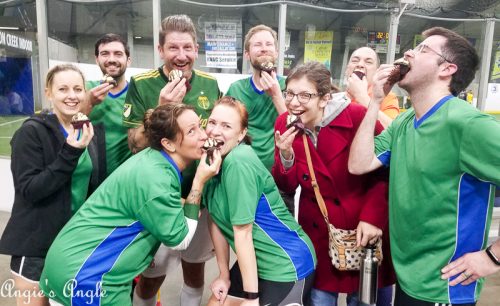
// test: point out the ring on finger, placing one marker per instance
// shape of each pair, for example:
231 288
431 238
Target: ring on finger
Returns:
466 275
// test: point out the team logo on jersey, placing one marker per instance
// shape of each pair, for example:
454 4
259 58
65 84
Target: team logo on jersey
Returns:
127 108
203 102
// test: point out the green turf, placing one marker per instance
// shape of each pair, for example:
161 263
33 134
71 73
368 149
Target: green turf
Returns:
7 129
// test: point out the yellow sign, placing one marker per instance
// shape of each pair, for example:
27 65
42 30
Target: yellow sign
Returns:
495 72
318 47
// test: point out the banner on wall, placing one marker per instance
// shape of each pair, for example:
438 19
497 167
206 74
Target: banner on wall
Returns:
495 70
318 47
379 41
220 44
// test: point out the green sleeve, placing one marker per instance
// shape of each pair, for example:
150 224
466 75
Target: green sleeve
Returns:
134 108
480 148
243 203
163 216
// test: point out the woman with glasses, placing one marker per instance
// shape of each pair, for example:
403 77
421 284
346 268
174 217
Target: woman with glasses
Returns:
330 122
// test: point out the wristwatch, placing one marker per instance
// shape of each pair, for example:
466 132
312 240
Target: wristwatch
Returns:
492 256
250 295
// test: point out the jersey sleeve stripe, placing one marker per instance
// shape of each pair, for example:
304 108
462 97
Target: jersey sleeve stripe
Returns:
385 158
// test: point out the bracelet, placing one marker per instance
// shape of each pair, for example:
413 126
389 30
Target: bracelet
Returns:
250 295
492 256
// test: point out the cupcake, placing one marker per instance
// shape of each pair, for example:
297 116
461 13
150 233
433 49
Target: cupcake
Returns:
401 68
267 66
108 79
175 74
359 73
211 145
294 120
78 120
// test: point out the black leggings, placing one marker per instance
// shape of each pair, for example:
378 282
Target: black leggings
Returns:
403 299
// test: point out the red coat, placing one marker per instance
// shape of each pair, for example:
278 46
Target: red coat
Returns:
349 198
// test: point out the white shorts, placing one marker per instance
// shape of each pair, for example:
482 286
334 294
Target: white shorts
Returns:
201 249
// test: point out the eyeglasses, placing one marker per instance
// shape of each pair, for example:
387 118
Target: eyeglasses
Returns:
422 47
302 97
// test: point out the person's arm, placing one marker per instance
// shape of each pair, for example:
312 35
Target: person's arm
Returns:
137 140
245 252
220 286
473 266
362 158
271 85
94 97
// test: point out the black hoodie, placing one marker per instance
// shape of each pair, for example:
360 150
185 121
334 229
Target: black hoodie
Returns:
42 165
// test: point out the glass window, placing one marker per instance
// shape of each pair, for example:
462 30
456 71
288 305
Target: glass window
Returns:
75 27
492 103
221 31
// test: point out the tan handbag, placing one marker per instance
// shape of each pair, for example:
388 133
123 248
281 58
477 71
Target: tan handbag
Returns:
342 243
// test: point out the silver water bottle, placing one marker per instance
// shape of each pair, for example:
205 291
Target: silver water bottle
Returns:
368 277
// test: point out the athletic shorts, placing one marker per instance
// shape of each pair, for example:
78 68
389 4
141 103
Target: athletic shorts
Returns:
403 299
274 293
29 268
201 249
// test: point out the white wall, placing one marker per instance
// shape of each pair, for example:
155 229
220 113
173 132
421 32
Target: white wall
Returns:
7 194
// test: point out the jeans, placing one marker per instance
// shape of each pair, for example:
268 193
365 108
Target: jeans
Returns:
325 298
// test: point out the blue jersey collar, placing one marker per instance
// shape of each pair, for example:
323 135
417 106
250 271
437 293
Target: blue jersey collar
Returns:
417 123
260 92
171 161
124 90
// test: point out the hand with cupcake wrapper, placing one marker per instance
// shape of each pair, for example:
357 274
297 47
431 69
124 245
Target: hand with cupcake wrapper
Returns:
176 88
82 133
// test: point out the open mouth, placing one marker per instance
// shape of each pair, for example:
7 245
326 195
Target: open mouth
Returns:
212 144
360 73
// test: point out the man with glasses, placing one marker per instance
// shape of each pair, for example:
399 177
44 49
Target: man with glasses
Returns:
443 158
365 62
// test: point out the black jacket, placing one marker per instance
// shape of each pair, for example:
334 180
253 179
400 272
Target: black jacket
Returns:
42 166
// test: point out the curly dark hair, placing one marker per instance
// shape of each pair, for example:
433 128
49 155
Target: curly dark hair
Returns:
162 123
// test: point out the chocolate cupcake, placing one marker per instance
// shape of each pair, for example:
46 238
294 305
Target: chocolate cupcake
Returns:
359 73
78 120
211 145
401 68
108 79
294 120
175 74
267 66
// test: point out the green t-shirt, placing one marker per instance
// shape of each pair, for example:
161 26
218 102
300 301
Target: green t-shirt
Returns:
113 237
109 113
80 181
262 115
144 91
244 192
442 170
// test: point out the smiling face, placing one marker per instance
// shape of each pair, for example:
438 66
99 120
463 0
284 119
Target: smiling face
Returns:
112 59
189 142
311 112
179 52
365 60
225 125
261 49
66 92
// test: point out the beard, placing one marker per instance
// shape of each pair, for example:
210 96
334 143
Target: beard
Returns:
117 74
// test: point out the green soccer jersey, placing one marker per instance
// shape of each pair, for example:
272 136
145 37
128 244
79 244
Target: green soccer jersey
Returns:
262 115
442 170
109 113
244 192
145 88
113 237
